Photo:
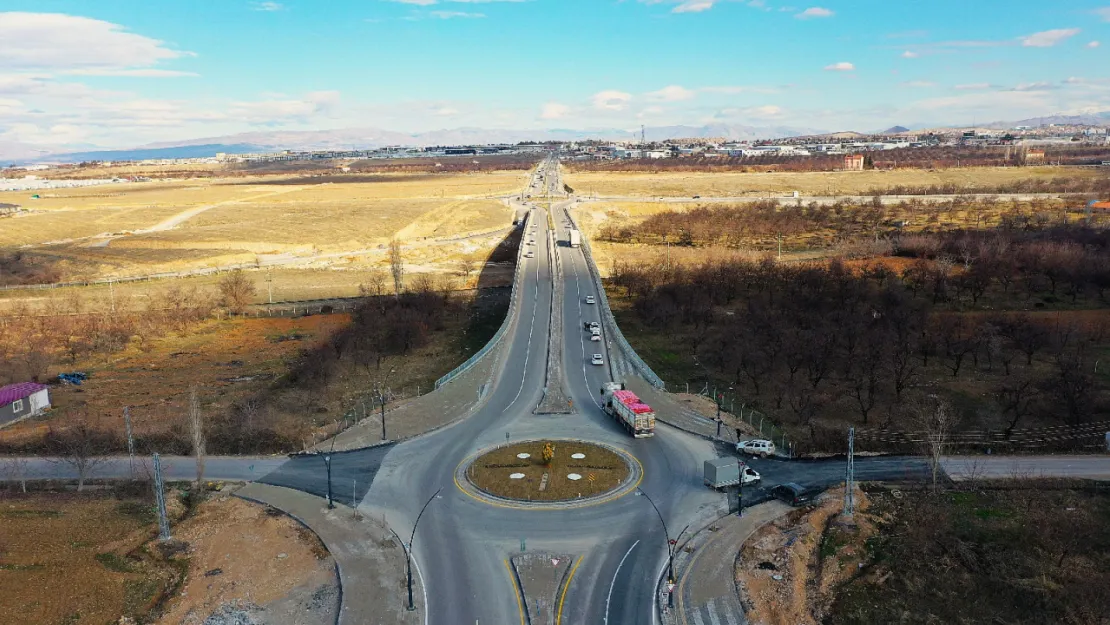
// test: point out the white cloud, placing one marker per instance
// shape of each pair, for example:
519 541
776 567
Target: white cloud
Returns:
975 86
910 54
672 93
842 66
1093 44
1049 38
131 73
278 111
554 110
611 100
59 41
447 15
694 6
920 84
268 6
813 12
1104 13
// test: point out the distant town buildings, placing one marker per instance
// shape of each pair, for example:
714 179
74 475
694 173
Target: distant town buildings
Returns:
854 162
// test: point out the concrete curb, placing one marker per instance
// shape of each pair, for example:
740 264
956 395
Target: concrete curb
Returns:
302 523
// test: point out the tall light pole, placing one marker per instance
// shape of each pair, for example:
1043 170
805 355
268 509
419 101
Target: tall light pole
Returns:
327 464
408 552
670 548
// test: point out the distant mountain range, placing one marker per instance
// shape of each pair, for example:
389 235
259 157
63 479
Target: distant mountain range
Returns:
369 138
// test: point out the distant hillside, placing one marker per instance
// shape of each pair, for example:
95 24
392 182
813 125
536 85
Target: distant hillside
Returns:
186 151
895 130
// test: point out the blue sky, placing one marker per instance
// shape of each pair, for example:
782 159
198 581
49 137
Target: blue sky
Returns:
118 73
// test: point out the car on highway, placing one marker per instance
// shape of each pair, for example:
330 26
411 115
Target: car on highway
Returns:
597 360
697 197
595 337
589 299
531 243
794 494
530 255
593 325
756 447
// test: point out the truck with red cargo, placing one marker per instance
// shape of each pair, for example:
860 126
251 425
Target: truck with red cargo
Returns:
624 406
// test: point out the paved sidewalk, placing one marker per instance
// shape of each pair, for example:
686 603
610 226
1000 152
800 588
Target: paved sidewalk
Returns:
371 561
706 593
685 415
1022 467
452 402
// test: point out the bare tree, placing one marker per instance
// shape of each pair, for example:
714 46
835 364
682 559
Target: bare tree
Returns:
197 426
81 448
236 291
936 419
374 285
466 267
17 471
396 266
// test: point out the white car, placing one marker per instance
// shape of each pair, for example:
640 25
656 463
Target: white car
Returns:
756 447
589 299
530 255
595 337
595 325
597 360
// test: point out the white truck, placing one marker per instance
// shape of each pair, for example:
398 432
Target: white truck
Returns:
624 406
575 238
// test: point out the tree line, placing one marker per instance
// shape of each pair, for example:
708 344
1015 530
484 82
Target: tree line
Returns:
822 346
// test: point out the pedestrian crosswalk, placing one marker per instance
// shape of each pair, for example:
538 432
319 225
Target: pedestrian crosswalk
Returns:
713 614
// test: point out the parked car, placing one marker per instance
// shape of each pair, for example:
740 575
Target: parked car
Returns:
597 360
756 447
794 494
595 337
589 299
594 325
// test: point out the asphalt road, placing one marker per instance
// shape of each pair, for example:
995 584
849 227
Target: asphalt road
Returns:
462 543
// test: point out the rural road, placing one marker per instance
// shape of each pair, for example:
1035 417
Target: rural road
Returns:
619 546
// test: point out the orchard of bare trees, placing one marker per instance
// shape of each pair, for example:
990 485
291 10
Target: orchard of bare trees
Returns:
821 346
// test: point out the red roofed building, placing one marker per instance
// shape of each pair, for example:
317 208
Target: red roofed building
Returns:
19 401
854 162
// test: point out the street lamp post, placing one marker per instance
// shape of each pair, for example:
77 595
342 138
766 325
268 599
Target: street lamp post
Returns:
327 463
408 552
740 488
670 548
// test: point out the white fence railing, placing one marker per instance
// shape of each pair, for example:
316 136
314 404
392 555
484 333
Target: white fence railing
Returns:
509 316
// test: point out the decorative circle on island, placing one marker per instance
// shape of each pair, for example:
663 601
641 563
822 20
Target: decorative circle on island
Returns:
548 473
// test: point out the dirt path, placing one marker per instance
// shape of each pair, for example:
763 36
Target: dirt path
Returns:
183 216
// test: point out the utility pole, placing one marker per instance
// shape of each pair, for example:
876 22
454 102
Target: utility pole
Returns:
160 499
270 284
112 293
850 476
130 440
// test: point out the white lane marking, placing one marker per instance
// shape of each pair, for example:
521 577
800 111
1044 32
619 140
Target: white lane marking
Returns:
711 610
654 596
614 582
697 618
423 588
730 618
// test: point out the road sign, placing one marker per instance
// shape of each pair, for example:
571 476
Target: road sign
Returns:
670 586
554 561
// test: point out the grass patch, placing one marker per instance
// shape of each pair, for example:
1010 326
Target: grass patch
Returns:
114 562
601 471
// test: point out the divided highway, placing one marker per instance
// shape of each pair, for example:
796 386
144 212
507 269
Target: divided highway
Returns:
462 544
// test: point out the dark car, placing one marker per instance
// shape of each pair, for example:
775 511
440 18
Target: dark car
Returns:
794 494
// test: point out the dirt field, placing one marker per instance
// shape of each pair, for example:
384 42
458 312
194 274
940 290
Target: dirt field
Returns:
82 559
601 470
687 184
140 228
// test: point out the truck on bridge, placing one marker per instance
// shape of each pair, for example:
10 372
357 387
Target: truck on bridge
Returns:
575 238
624 406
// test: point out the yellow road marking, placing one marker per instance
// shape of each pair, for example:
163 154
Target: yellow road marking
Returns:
516 589
559 618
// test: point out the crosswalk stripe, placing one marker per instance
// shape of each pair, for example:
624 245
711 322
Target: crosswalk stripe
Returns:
711 609
697 618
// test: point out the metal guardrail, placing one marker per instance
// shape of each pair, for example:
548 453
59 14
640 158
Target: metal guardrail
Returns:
607 315
509 317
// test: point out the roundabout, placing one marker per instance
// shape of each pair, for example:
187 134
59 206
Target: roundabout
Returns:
548 473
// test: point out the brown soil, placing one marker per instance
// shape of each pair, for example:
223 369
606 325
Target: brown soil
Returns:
260 557
601 470
812 551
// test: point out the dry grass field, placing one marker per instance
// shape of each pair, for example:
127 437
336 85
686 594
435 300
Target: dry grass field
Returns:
140 228
688 184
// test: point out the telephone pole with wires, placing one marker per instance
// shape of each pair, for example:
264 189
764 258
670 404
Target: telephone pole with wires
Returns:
850 476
